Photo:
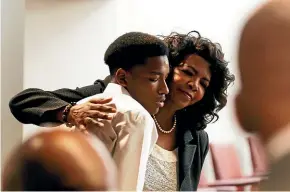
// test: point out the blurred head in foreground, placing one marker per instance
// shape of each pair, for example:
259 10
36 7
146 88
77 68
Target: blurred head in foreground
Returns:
59 161
263 102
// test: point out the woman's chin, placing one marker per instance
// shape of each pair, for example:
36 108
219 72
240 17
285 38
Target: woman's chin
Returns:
181 105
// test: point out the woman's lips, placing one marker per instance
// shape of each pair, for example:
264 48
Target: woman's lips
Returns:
188 95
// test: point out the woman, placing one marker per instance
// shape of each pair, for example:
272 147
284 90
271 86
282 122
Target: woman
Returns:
198 84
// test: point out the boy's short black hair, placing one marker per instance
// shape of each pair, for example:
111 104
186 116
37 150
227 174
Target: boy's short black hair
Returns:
133 49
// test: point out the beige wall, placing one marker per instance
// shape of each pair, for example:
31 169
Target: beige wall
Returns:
12 36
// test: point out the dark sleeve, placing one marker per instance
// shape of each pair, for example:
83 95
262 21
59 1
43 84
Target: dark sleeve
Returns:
36 106
204 145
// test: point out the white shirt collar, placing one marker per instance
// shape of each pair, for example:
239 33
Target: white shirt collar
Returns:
279 145
114 88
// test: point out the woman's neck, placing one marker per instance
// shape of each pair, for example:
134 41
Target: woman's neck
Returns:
165 116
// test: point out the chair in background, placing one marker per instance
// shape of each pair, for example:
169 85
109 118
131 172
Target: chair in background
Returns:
227 168
258 157
205 186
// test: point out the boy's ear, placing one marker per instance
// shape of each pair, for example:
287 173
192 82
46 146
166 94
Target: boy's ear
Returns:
121 77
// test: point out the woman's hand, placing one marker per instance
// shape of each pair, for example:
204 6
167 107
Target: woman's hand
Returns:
91 113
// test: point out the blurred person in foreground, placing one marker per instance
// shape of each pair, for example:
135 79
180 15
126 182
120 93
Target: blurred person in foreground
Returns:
59 160
263 103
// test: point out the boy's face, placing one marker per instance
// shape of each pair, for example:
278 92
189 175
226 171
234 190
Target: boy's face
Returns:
146 83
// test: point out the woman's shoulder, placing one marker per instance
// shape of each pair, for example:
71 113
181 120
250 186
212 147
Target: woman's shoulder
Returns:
203 140
202 135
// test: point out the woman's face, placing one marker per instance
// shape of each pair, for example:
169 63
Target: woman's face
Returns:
190 81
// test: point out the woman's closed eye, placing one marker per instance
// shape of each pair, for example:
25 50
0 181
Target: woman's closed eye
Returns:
191 74
204 84
188 72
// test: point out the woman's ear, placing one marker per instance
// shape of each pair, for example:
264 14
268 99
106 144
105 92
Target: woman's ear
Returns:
121 77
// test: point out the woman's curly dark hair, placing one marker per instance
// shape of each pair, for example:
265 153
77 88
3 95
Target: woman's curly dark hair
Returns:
215 98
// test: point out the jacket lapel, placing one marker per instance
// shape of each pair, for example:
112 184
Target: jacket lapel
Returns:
186 156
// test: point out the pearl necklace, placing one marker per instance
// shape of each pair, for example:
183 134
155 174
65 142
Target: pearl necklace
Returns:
162 130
